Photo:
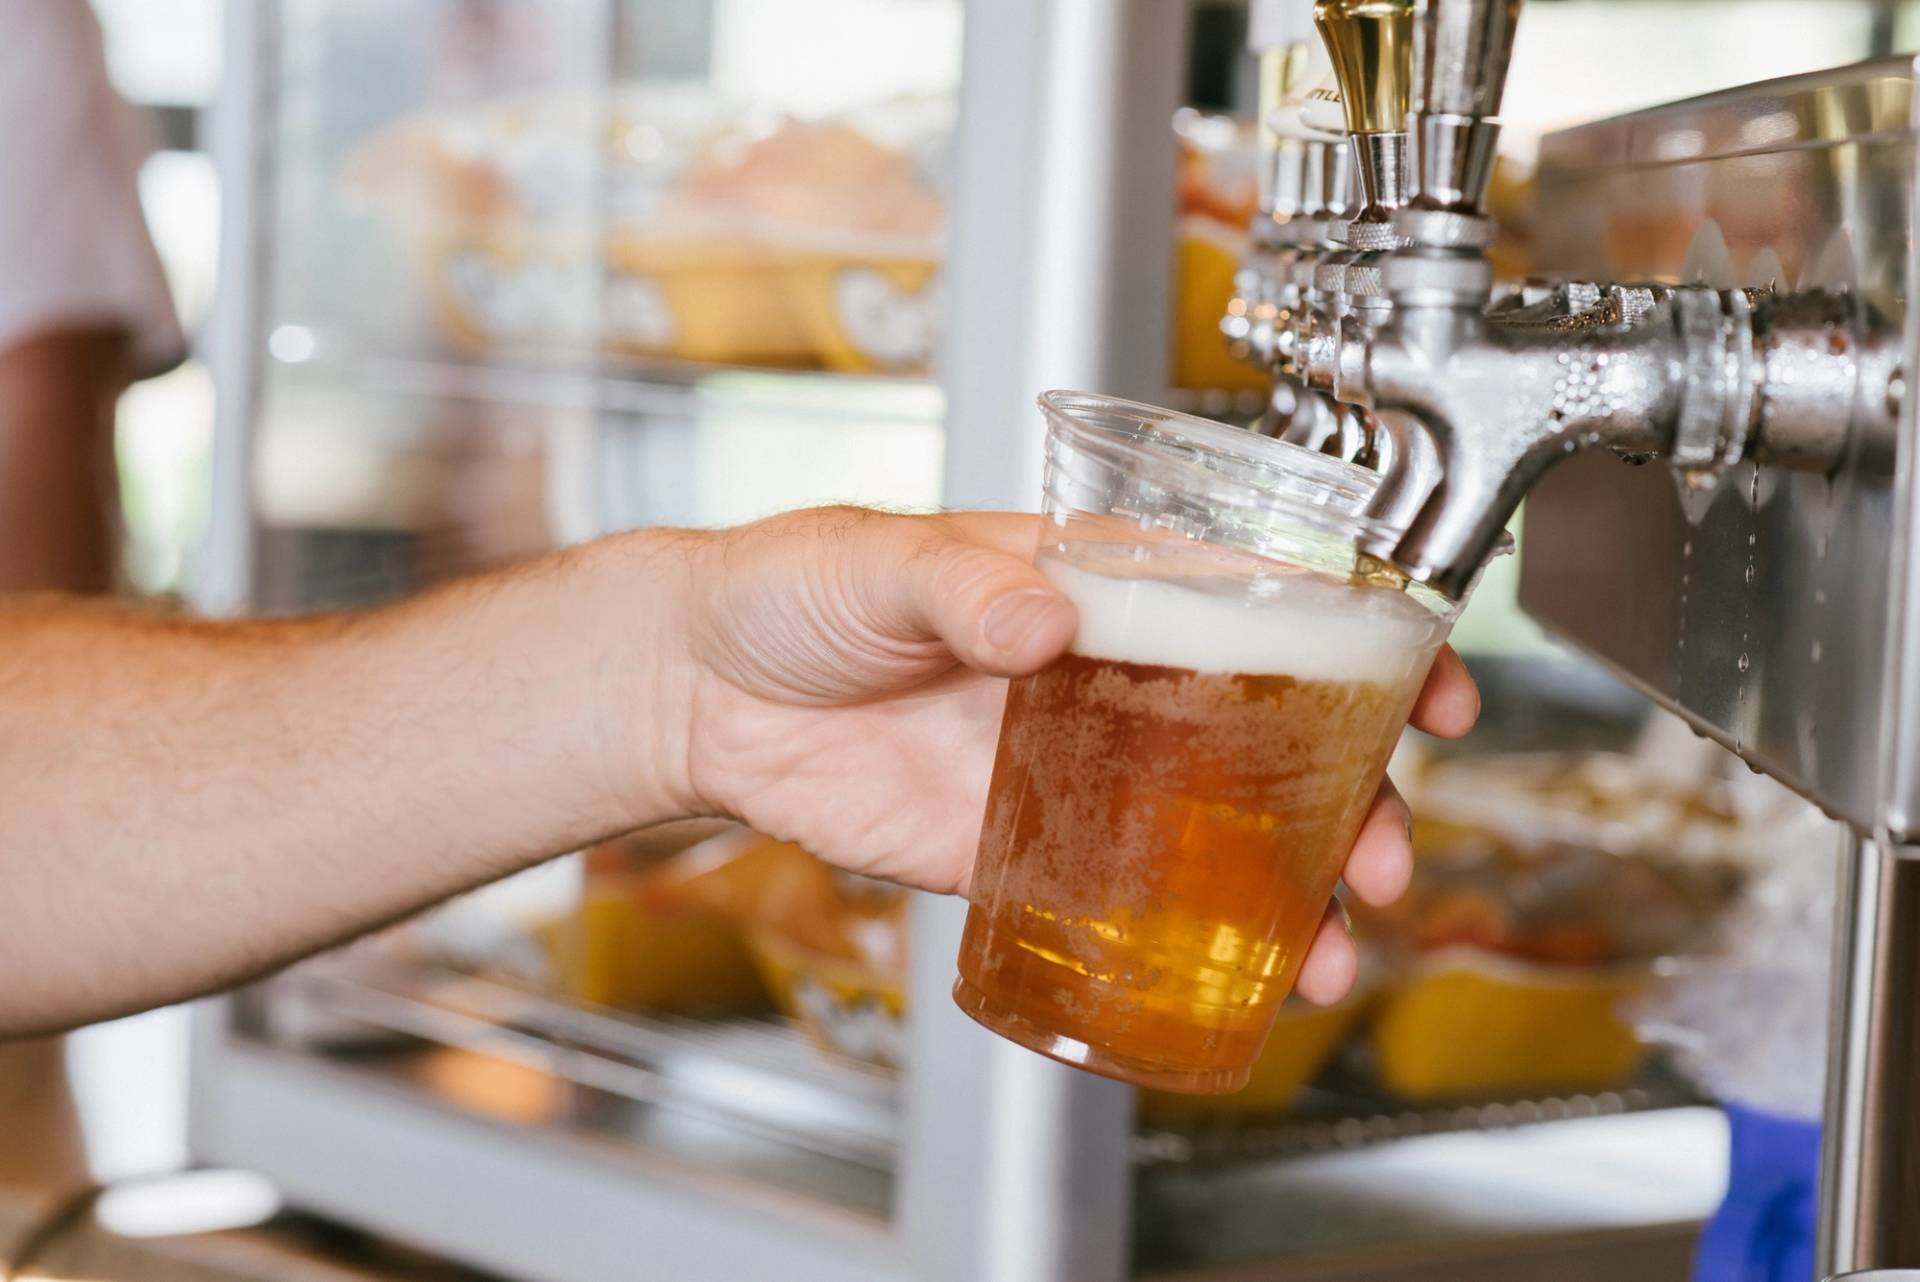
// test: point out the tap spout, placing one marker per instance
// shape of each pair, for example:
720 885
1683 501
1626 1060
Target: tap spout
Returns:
1409 465
1706 378
1499 407
1315 423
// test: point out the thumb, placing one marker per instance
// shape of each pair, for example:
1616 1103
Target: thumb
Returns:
994 610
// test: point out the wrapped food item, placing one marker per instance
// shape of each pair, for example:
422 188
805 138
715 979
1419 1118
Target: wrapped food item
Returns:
1745 1014
847 226
1578 858
723 236
1217 193
831 946
1545 889
853 1005
1746 1019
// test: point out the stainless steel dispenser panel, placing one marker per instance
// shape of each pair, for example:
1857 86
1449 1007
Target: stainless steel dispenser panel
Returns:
1770 611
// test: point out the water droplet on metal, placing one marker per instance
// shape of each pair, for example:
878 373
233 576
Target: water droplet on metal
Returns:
1745 663
1697 488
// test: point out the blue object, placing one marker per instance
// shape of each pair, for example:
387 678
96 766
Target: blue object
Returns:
1764 1230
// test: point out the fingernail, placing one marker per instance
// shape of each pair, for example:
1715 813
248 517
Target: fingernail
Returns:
1012 619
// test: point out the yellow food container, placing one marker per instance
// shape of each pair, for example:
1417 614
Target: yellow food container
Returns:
720 299
1469 1023
869 315
724 301
647 934
1304 1038
1209 255
620 951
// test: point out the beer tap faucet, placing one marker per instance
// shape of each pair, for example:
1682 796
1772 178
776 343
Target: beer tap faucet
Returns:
1303 183
1471 401
1316 422
1474 405
1370 45
1370 42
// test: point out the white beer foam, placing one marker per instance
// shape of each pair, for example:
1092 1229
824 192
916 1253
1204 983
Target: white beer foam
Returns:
1306 626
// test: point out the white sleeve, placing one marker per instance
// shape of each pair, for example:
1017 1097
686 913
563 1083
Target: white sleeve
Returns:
74 248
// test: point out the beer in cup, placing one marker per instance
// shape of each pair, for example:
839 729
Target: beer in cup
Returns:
1173 799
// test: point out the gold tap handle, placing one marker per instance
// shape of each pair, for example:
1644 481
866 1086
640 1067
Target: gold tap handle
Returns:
1371 43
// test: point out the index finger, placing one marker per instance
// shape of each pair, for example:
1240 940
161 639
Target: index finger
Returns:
1449 702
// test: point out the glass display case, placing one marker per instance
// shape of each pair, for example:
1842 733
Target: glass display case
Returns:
503 276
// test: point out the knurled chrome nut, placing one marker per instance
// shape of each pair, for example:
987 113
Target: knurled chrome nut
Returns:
1701 321
1366 235
1444 228
1465 275
1364 279
1578 296
1635 300
1330 277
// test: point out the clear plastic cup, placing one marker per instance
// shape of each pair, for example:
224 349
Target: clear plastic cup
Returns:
1173 800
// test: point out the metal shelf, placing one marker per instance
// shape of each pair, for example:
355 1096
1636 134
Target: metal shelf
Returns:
760 1077
666 387
1325 1120
636 387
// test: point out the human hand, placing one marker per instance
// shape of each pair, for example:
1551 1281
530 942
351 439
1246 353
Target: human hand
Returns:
845 675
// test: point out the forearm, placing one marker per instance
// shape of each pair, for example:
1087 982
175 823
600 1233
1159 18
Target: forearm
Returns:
185 805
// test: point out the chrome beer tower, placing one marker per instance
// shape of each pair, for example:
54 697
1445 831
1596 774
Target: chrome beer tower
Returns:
1760 574
1462 401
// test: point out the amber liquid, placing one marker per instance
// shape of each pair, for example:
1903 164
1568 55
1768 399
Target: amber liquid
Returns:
1159 848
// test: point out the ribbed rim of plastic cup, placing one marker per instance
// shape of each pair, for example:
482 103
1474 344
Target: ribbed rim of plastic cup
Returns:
1244 475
